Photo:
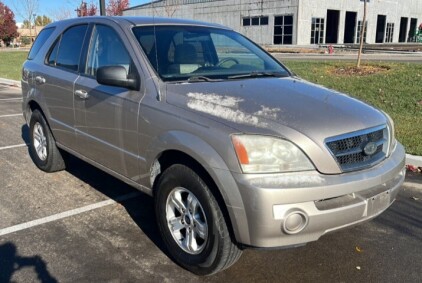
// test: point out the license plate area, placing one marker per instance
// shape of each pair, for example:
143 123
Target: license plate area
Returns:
378 203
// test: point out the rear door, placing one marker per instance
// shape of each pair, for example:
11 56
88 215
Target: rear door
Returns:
107 116
57 77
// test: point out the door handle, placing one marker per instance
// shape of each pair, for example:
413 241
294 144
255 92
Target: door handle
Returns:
40 80
82 94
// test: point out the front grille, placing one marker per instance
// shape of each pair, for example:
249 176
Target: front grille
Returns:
349 149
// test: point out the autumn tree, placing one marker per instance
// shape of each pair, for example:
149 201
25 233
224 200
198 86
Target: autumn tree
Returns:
85 9
116 7
8 29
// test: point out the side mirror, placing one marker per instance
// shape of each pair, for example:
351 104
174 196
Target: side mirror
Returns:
116 76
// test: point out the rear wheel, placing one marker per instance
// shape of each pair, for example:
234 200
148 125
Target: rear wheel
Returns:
192 224
43 149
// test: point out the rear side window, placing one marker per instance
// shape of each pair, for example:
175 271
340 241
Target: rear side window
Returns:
39 42
67 49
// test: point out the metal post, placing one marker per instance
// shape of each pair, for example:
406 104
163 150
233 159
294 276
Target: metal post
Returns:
102 8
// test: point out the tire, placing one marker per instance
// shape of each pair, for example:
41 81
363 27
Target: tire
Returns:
178 190
42 148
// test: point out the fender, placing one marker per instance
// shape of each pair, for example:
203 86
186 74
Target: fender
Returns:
216 167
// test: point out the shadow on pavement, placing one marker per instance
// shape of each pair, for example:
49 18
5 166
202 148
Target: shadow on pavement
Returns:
25 133
140 209
11 262
404 216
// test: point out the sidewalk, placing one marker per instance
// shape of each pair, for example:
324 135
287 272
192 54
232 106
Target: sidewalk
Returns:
414 160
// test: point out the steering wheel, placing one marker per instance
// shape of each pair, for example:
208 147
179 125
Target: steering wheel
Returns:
227 60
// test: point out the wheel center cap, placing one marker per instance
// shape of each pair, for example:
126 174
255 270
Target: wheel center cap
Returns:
187 219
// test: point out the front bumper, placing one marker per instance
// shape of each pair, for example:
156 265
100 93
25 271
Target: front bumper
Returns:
296 208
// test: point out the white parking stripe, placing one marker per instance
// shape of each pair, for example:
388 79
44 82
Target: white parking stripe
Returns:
10 115
65 214
8 99
13 146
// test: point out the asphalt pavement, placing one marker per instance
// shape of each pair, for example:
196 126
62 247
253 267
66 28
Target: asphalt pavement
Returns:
82 225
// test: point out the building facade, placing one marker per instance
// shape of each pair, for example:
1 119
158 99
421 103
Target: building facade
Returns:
299 22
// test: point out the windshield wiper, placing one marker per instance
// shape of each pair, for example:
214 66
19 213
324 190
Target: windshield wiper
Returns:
195 79
258 74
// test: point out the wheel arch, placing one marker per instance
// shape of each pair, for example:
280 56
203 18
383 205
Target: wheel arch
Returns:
195 153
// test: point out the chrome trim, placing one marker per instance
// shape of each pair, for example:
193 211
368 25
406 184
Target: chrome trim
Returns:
385 142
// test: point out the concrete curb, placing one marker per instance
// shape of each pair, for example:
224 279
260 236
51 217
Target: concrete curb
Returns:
410 159
10 82
414 160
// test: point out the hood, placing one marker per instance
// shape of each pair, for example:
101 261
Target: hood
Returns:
312 110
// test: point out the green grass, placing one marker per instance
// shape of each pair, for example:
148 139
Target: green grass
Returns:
11 64
397 91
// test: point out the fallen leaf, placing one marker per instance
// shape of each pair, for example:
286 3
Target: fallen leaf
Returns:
411 168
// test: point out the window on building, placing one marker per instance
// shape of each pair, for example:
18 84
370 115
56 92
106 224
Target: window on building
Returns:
389 33
317 31
264 21
255 21
283 29
358 34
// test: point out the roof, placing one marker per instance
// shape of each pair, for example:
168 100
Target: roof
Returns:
168 21
142 21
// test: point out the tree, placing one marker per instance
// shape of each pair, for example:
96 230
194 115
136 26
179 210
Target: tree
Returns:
25 40
61 14
26 24
362 33
42 20
116 7
85 10
8 28
26 9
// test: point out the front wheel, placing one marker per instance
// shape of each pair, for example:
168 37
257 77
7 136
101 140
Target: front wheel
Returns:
192 224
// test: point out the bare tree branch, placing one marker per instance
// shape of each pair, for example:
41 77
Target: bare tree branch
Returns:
26 9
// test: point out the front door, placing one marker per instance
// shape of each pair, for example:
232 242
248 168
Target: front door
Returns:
107 116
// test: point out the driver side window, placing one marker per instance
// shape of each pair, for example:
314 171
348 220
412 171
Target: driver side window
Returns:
106 49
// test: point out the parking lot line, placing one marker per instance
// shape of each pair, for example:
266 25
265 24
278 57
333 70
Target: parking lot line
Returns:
10 115
10 99
58 216
13 146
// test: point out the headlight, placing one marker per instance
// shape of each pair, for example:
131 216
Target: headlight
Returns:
392 138
262 154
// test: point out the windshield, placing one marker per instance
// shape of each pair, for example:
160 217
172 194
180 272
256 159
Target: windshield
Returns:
194 53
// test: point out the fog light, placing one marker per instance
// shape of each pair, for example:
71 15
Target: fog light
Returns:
295 222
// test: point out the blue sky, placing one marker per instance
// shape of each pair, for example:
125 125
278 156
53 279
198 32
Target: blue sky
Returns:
51 8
